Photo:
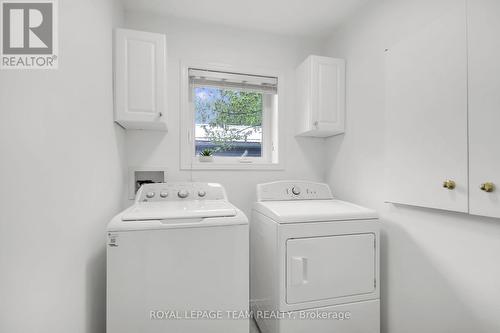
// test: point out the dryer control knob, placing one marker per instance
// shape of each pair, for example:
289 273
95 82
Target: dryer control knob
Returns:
202 193
150 195
182 194
163 194
296 190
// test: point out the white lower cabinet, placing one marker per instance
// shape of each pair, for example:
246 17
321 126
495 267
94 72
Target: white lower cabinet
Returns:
484 107
140 80
443 110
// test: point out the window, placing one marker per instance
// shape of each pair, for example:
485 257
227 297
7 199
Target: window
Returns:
232 115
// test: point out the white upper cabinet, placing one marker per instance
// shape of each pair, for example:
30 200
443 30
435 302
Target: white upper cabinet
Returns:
426 116
484 106
321 96
443 112
140 80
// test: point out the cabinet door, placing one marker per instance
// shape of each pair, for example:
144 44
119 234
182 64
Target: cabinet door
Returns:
328 90
426 115
484 105
140 79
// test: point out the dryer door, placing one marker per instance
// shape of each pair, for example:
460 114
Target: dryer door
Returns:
321 268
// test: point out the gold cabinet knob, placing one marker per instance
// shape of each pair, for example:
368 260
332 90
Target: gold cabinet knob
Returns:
449 184
487 187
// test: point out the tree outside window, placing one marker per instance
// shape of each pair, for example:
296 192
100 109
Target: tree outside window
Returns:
228 121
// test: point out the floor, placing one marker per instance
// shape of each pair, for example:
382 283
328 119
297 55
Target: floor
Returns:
253 327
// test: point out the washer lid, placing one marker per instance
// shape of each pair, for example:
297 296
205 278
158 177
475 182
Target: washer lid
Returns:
313 211
179 210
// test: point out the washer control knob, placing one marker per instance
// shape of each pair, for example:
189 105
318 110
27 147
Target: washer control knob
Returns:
202 193
296 190
163 194
183 194
150 195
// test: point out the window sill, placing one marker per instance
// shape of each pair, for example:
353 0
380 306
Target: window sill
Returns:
231 166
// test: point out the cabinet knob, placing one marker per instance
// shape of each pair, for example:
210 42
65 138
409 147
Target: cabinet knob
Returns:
449 184
487 187
160 114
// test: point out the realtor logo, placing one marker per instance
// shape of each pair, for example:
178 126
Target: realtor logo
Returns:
29 34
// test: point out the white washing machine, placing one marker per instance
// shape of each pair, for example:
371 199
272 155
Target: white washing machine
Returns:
314 261
177 261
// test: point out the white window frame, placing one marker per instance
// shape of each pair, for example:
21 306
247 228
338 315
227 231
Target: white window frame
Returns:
272 131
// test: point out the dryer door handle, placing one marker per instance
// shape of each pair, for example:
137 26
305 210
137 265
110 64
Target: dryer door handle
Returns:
298 270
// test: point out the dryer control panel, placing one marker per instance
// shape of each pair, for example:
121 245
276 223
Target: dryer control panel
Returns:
293 190
180 191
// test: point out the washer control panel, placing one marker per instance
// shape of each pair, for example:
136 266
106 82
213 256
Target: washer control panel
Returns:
180 191
293 190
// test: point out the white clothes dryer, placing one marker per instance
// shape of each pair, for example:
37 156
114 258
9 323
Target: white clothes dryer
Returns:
314 261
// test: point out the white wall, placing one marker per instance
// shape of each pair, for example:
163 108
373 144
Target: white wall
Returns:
191 40
440 270
61 179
